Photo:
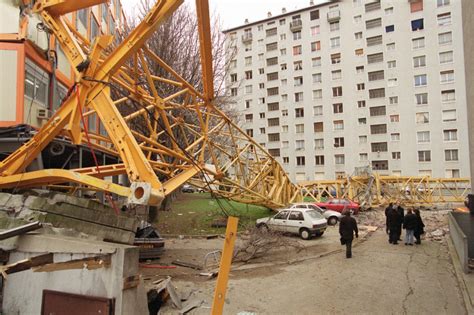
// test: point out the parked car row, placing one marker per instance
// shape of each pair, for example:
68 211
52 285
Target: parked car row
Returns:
308 219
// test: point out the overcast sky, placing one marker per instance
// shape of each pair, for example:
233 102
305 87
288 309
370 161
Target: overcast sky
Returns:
234 12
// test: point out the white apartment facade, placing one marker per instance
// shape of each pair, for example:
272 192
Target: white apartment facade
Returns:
355 83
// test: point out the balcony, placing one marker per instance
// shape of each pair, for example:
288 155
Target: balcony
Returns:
247 38
296 25
334 16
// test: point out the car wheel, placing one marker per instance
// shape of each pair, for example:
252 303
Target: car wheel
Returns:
305 234
332 220
318 234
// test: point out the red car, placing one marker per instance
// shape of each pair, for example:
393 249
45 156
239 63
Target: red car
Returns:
339 205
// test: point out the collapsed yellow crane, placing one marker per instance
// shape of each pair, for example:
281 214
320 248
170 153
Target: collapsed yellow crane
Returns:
236 166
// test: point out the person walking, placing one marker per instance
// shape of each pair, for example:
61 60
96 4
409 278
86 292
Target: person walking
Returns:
394 222
347 228
410 223
419 229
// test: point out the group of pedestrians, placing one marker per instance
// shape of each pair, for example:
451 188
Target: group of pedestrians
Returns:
411 222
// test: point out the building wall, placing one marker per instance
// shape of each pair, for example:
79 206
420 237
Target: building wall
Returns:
404 134
468 33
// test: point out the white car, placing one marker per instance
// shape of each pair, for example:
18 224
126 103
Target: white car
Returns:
332 216
304 222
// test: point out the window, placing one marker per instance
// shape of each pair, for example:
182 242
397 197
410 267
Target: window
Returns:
298 81
374 58
360 86
260 27
417 25
282 37
282 22
271 32
314 15
357 19
395 136
394 118
36 84
396 155
378 111
272 76
444 19
376 75
249 132
416 5
377 93
421 98
299 97
339 159
261 71
298 65
392 82
316 62
248 89
247 103
274 152
272 46
300 161
361 104
273 137
261 86
389 28
297 50
334 26
445 38
284 97
315 46
317 110
248 75
378 129
441 3
452 173
418 43
336 74
248 118
286 160
248 61
318 127
272 122
273 106
373 23
317 94
389 11
233 77
299 112
272 61
419 61
448 96
319 160
272 91
423 136
284 129
363 157
445 57
338 108
391 46
449 115
374 40
422 118
339 142
317 78
360 69
299 145
337 91
338 124
392 64
359 52
297 35
261 100
450 135
362 121
379 147
233 92
447 76
372 6
315 30
358 35
451 155
335 58
420 80
362 139
393 100
283 66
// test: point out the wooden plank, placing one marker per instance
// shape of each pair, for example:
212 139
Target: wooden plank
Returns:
20 230
186 264
26 264
90 263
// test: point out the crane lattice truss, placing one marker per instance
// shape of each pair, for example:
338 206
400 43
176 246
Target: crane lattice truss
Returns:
167 150
374 190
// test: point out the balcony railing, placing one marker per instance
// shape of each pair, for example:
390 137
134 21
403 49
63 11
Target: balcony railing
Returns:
296 25
247 38
334 15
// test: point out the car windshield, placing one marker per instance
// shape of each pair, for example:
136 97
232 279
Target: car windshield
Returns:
313 214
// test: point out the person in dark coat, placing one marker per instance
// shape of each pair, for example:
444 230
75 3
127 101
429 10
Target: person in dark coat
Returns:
394 222
410 222
419 230
347 228
401 212
387 211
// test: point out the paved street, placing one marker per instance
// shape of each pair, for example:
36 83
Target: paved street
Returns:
379 279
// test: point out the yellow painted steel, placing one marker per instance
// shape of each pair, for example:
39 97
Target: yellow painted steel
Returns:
224 267
211 151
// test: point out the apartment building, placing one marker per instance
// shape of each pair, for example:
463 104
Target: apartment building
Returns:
354 83
35 74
